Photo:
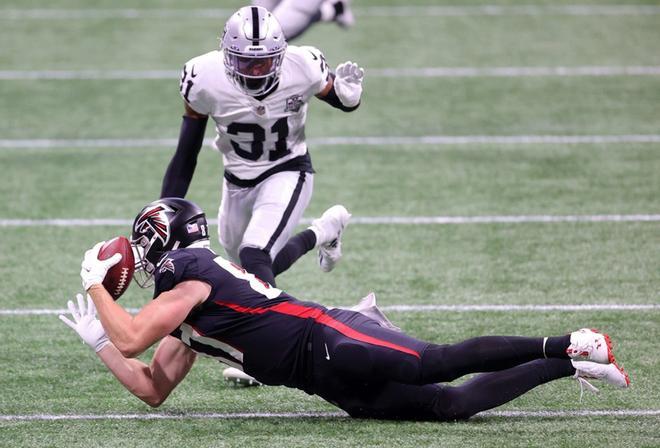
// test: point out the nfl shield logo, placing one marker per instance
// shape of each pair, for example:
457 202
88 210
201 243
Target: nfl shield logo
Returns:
260 110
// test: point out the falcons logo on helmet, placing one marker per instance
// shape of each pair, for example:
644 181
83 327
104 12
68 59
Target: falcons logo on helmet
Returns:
154 218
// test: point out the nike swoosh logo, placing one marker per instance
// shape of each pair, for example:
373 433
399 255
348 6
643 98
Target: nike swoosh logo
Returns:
313 55
192 72
327 355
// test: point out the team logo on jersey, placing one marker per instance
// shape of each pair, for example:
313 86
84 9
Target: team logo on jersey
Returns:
167 265
293 103
154 218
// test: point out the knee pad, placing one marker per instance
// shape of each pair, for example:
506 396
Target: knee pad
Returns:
449 405
257 261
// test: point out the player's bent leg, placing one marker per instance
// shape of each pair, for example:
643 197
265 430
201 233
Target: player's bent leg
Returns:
257 261
234 216
279 206
297 246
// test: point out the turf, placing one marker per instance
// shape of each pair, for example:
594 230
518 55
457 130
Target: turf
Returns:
47 370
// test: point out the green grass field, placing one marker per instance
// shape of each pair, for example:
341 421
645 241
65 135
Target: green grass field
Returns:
53 390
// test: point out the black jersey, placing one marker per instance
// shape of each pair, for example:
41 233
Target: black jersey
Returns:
244 322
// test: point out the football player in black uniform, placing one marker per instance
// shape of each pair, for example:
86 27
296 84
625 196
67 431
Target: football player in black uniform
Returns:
206 304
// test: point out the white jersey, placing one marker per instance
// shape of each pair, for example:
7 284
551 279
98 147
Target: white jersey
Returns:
255 136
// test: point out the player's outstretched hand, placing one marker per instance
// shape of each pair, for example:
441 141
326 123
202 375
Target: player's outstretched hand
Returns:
93 270
85 323
348 83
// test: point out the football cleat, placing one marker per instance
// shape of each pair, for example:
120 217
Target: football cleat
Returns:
328 229
239 378
609 373
590 345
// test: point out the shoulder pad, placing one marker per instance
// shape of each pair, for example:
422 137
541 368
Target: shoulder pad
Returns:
314 65
192 81
171 268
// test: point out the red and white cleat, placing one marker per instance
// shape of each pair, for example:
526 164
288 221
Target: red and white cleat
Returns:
590 345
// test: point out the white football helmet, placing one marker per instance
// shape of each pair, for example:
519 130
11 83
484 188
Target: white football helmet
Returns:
253 44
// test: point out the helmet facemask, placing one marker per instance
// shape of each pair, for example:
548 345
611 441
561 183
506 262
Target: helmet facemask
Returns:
144 269
254 75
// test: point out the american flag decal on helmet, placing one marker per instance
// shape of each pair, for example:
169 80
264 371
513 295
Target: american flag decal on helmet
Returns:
154 218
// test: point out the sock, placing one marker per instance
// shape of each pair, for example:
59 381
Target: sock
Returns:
339 8
257 261
297 246
556 346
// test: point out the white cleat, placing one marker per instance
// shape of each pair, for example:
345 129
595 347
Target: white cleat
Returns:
590 345
609 373
328 229
239 378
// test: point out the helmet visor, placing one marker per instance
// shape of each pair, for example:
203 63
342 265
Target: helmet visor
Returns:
252 67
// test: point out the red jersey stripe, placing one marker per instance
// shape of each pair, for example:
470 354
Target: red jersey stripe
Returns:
321 317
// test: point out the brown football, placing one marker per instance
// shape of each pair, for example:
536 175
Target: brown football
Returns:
119 276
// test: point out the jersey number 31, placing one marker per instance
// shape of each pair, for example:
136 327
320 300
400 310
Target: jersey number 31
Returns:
256 146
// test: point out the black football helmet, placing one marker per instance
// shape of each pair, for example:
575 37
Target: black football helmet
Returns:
164 225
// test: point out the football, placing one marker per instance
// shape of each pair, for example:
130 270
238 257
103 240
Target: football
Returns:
119 276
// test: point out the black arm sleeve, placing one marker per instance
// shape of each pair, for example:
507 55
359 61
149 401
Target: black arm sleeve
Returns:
182 166
332 99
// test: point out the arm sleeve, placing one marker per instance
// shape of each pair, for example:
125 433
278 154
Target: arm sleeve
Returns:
180 171
332 99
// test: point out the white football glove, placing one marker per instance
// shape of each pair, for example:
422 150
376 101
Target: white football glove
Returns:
93 270
348 83
85 323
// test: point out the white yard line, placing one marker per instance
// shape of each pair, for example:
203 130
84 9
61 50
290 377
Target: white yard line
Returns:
364 12
371 220
320 415
414 308
384 141
512 308
422 72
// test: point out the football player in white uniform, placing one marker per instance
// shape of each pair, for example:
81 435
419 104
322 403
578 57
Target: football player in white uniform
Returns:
296 16
256 89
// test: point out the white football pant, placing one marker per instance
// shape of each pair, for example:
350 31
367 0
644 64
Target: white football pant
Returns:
264 216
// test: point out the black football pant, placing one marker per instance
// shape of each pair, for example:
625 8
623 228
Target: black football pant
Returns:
371 371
